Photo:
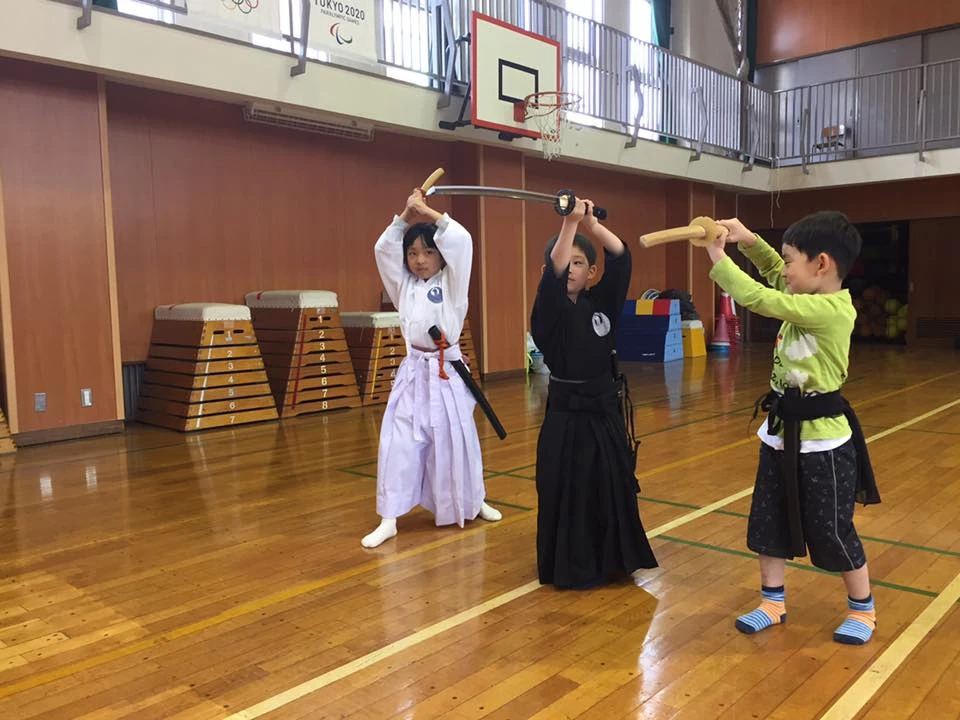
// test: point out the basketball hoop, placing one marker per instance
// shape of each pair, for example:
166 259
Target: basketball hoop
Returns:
548 110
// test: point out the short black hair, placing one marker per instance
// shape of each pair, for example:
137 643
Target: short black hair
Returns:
424 231
827 232
579 241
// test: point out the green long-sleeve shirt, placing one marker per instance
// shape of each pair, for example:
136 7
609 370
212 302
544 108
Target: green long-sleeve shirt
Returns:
812 350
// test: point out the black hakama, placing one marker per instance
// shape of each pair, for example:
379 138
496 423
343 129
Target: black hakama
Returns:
588 525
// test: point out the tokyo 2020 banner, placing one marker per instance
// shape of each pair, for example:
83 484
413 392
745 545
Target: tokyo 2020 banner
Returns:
344 27
261 16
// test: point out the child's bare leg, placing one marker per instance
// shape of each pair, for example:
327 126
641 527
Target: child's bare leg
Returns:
772 571
861 620
857 582
772 610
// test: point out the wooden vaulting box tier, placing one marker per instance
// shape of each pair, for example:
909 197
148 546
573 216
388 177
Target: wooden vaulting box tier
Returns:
304 350
204 369
377 348
6 442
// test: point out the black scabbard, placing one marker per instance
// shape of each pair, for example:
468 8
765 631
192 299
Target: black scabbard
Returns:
478 395
475 390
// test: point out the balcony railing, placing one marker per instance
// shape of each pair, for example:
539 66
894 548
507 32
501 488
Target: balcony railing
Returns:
627 85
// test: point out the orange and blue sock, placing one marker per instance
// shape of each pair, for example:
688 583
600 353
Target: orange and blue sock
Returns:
772 611
861 621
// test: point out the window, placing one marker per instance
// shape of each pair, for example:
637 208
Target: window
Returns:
148 11
582 74
407 40
646 58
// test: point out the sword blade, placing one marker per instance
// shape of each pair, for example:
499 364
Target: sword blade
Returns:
491 192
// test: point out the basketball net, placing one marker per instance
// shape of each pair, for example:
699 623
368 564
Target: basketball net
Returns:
548 111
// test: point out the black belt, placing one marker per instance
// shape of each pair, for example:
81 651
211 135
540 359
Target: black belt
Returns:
788 411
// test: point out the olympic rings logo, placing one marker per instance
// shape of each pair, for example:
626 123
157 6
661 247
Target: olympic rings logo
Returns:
244 6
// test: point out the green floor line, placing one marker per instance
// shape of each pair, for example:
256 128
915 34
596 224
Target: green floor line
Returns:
911 546
664 429
869 538
732 513
798 566
517 476
351 471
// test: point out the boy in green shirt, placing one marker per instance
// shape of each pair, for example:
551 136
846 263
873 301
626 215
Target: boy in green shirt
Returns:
813 462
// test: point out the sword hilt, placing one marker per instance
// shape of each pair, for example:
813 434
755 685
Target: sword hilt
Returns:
566 201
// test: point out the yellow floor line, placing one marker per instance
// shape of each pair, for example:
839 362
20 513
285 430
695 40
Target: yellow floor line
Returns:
252 606
404 643
859 694
297 590
707 509
310 686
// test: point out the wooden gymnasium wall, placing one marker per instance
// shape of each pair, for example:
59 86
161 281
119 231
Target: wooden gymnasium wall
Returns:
929 205
206 207
635 204
788 29
900 200
209 207
60 331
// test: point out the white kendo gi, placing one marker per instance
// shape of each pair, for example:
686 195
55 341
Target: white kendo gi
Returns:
429 448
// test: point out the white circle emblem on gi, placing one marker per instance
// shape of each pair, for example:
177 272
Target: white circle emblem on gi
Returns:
601 324
435 294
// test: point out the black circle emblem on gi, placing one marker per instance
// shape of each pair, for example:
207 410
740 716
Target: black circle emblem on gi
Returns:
601 324
435 295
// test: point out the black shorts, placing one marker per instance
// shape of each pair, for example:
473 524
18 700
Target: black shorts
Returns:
828 482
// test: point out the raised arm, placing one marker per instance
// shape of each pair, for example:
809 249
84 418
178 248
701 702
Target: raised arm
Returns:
767 260
456 246
454 243
611 291
388 252
807 311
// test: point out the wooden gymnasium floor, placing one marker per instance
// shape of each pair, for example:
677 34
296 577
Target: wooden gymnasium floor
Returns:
154 575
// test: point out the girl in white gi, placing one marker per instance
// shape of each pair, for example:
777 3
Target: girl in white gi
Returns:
429 449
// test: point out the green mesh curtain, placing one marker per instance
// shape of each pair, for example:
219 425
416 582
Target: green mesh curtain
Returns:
661 22
752 37
661 36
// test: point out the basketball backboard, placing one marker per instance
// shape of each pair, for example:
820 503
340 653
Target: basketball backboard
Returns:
508 64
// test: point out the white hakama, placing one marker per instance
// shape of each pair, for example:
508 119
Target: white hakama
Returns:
429 448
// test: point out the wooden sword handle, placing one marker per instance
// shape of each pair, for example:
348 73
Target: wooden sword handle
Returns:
690 232
434 176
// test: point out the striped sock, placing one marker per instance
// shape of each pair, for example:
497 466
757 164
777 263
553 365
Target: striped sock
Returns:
861 621
772 611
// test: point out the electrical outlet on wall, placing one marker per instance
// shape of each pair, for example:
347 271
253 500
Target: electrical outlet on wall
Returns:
40 402
86 397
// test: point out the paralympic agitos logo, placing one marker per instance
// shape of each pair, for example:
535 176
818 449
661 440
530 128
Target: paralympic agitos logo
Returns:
343 12
338 36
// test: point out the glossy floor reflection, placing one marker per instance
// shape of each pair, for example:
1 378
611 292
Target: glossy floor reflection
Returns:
156 575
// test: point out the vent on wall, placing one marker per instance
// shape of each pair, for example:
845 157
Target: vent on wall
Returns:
307 122
132 380
938 328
